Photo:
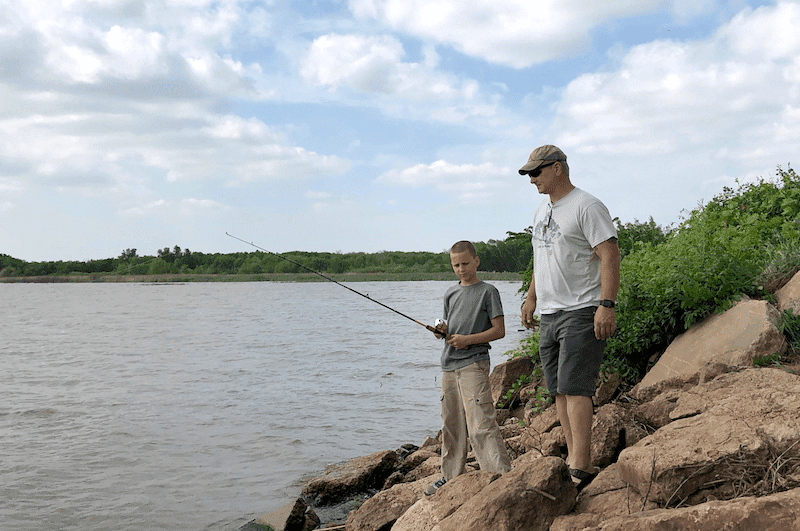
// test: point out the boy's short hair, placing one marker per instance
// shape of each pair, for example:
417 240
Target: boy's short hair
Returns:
463 245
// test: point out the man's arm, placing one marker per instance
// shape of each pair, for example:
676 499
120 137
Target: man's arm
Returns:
605 319
496 331
529 306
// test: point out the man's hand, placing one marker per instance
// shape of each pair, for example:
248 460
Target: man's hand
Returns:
528 307
441 331
605 322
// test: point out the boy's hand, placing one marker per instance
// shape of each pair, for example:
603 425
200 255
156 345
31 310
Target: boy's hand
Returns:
441 330
457 341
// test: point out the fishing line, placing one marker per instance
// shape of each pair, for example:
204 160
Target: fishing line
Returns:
428 327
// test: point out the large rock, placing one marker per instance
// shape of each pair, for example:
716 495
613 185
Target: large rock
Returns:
605 498
432 465
430 510
607 388
382 510
778 512
612 426
529 497
733 338
656 413
544 421
295 516
360 474
737 421
506 374
788 297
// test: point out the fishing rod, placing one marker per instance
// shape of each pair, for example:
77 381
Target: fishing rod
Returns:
427 327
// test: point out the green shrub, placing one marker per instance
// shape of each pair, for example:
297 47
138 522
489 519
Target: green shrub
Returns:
789 325
782 263
715 256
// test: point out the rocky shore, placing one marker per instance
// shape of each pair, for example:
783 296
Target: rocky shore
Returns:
709 439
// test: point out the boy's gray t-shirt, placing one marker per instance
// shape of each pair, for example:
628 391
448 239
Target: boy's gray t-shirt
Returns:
469 310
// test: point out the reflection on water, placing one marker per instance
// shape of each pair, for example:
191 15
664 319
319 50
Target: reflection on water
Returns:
202 405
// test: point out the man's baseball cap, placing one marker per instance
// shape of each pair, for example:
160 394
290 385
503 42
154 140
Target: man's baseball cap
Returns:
541 155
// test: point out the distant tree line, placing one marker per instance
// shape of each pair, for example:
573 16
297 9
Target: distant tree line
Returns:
513 254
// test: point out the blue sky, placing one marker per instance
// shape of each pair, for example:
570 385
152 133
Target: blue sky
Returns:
369 125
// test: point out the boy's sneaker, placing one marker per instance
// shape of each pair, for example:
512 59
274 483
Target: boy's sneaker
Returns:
433 487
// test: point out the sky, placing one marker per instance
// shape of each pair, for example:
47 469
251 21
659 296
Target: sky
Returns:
372 125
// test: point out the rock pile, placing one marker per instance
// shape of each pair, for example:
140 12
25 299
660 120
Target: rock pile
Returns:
706 440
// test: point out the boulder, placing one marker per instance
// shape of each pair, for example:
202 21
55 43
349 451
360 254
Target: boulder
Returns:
775 512
725 430
295 516
607 388
609 427
733 338
506 374
604 498
432 465
360 474
430 510
544 421
384 508
511 429
417 458
788 297
656 412
530 497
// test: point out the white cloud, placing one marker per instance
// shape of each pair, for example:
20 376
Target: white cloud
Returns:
373 66
200 207
315 194
673 97
363 63
147 209
517 33
73 43
468 183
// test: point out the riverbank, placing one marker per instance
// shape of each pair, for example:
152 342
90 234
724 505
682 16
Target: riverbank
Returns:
411 276
708 439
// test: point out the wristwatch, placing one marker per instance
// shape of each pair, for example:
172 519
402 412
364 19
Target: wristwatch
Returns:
607 303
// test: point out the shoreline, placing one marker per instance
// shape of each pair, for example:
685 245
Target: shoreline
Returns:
260 277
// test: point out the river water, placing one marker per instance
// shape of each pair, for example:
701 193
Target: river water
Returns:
199 406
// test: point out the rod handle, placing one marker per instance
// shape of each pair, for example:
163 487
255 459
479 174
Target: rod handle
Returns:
437 333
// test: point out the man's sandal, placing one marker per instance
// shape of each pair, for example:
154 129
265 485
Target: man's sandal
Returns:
581 478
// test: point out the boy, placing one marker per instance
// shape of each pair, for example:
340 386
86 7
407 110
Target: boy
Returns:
473 316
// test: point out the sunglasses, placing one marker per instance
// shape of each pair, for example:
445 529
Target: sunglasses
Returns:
538 171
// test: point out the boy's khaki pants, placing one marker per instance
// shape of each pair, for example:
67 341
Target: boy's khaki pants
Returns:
468 417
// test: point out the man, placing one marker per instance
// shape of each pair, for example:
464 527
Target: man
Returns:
574 286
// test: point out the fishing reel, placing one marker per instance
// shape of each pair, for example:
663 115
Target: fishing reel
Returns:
436 324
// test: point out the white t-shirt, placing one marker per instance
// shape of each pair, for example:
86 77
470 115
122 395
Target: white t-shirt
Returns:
567 272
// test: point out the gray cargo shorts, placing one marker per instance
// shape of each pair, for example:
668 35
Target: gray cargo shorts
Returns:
571 354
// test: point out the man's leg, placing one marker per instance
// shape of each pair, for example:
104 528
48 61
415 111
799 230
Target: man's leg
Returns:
575 414
579 359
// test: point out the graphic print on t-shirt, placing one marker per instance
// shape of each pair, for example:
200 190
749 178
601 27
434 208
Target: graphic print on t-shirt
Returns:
547 230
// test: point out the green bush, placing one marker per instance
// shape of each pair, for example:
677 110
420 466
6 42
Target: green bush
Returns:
715 256
789 326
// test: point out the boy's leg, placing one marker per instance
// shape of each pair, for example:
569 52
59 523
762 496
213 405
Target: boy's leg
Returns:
484 434
454 428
